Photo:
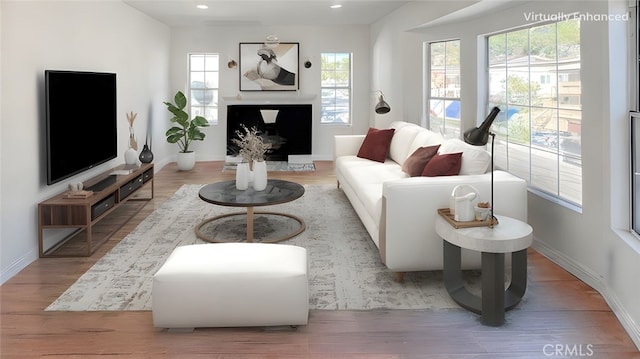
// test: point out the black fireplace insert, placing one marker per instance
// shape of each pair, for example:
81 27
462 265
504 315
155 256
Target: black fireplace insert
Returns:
287 128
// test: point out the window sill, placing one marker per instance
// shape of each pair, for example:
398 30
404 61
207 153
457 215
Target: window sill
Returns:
557 200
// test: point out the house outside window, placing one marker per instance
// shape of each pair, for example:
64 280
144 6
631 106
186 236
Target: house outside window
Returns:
335 72
534 77
444 95
203 86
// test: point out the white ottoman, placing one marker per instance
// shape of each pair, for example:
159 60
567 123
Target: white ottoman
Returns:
231 285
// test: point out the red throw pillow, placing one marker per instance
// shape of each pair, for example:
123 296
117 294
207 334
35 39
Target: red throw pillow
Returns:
447 164
414 164
376 144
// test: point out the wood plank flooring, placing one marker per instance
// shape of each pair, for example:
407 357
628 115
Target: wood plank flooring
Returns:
562 316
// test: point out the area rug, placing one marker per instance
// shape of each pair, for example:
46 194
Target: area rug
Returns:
275 166
345 271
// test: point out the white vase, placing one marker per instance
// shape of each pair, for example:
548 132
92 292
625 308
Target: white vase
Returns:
186 160
259 175
130 156
242 176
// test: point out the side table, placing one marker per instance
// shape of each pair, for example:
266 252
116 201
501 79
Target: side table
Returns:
509 236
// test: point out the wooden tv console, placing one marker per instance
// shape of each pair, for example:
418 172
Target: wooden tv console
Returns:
109 193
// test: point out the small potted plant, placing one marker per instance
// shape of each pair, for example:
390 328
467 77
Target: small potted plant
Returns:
185 131
252 151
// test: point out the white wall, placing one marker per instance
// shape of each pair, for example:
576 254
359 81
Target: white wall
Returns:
313 41
595 245
97 36
397 68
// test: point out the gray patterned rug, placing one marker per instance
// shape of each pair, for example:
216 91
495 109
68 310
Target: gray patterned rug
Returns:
274 166
345 271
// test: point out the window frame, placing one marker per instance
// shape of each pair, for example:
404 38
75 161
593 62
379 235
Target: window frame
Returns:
634 128
335 88
456 132
214 106
558 149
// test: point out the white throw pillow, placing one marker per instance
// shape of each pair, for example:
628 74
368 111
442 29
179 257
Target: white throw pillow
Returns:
425 138
475 159
402 139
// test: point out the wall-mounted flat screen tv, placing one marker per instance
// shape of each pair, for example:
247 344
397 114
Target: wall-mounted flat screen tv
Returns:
81 121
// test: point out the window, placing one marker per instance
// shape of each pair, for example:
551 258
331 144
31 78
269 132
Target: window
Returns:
444 97
335 82
534 77
635 130
203 86
635 171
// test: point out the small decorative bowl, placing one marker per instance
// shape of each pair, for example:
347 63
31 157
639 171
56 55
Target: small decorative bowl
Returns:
482 213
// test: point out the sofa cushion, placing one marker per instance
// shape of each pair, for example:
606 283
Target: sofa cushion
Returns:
375 146
475 160
402 138
366 178
447 164
414 164
425 138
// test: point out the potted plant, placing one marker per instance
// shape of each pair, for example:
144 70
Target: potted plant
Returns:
185 131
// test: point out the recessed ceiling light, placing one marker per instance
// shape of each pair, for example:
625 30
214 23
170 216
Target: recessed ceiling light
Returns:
202 7
337 6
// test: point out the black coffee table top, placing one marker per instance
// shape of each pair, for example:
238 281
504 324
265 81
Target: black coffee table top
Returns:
226 194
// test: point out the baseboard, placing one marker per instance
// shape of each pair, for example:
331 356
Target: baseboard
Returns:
18 265
594 281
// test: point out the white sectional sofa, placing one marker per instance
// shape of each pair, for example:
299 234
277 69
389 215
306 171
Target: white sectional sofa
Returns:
399 211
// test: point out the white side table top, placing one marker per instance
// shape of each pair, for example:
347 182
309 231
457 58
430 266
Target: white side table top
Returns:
509 235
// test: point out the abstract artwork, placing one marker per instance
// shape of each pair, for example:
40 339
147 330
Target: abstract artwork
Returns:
269 67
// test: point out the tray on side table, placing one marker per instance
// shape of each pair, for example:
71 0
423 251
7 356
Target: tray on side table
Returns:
446 214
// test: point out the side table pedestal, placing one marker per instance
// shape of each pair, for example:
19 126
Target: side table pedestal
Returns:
510 236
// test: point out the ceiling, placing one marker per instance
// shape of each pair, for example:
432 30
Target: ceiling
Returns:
266 12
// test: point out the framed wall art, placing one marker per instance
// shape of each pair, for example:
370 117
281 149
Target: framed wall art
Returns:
269 67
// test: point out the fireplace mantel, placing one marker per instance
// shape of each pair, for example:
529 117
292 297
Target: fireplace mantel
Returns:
254 99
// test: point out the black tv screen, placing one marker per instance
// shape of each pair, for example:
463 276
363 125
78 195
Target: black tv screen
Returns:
81 121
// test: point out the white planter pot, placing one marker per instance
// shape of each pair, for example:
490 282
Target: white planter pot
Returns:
259 175
242 176
186 160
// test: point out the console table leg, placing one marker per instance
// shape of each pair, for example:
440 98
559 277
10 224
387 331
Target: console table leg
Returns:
493 289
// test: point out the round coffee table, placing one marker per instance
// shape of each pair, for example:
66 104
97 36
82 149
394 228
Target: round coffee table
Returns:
226 194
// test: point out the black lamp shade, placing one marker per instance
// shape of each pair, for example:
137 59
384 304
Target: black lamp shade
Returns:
479 136
382 106
475 136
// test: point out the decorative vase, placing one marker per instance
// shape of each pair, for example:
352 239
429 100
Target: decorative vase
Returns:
186 160
130 156
146 156
259 175
242 176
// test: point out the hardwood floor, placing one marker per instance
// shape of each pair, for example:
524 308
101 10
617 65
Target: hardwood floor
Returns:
562 317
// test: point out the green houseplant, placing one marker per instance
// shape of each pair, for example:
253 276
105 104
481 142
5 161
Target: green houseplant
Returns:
184 131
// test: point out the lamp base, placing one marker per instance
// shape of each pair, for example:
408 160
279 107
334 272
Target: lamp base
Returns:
493 222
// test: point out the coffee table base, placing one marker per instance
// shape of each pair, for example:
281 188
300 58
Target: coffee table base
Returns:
250 235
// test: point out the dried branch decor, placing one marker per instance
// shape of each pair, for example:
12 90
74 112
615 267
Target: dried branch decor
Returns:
131 117
252 147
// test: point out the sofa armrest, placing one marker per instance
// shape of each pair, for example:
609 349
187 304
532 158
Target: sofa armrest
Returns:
346 145
407 230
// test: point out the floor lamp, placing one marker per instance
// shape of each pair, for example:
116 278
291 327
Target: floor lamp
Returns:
479 136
